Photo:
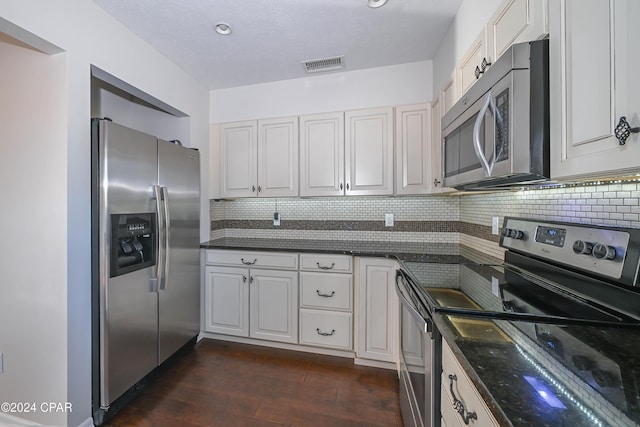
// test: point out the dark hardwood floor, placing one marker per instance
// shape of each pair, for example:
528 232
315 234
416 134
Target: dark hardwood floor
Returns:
220 383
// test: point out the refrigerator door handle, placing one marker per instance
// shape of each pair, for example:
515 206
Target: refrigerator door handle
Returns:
161 258
167 237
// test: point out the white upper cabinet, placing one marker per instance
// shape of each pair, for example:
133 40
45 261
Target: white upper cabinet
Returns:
516 21
449 93
594 61
259 158
322 154
369 151
436 148
414 161
476 58
278 157
238 164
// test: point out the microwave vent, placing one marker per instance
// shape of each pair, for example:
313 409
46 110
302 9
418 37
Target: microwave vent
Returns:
323 64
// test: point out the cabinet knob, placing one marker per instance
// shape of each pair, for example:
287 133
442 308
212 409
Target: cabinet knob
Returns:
347 186
259 188
341 186
436 182
623 130
253 188
480 69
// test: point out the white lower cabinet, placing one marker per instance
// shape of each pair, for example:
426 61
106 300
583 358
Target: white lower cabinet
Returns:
377 310
457 391
273 303
226 298
326 328
251 302
326 295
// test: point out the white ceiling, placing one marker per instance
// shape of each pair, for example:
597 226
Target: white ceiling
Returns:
270 39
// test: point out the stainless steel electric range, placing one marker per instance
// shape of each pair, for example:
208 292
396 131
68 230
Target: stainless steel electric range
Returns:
566 296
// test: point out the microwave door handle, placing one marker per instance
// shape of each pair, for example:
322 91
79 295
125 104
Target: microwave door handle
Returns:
476 135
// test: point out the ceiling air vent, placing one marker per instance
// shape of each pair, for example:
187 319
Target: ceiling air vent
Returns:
324 64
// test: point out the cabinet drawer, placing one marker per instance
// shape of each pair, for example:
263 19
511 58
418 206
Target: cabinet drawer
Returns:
281 260
326 328
326 291
463 390
326 263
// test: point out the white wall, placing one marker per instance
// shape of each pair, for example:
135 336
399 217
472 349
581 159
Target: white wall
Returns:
88 36
392 85
471 18
33 180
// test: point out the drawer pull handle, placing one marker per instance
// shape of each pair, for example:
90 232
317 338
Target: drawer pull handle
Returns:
324 267
458 405
248 262
325 295
325 334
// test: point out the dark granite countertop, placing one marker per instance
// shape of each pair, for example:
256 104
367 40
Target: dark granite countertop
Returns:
403 251
505 372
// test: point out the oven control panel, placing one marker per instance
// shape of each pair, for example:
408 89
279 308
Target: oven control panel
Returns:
594 249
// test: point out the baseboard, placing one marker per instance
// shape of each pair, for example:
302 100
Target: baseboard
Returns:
375 363
274 344
86 423
11 421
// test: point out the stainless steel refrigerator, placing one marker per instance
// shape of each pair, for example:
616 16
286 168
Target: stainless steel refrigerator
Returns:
145 258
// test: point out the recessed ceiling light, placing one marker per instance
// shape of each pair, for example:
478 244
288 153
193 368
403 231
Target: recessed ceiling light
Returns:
376 3
222 28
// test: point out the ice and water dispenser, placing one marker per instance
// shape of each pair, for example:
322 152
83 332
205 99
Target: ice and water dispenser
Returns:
133 238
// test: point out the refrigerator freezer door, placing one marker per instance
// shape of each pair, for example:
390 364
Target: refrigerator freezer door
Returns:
179 292
128 307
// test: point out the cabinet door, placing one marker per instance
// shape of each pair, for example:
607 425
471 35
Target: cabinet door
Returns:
369 152
466 70
593 60
456 386
437 159
273 304
226 295
378 311
449 94
516 21
322 154
238 152
278 157
413 149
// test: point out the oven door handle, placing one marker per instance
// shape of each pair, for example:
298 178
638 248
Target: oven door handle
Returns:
425 325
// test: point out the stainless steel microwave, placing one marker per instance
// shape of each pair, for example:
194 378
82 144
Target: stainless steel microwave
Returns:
497 135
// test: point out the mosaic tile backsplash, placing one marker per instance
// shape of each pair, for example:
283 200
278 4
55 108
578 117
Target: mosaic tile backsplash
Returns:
462 219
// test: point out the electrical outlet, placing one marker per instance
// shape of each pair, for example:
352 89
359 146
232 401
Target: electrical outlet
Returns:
276 219
388 220
495 225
